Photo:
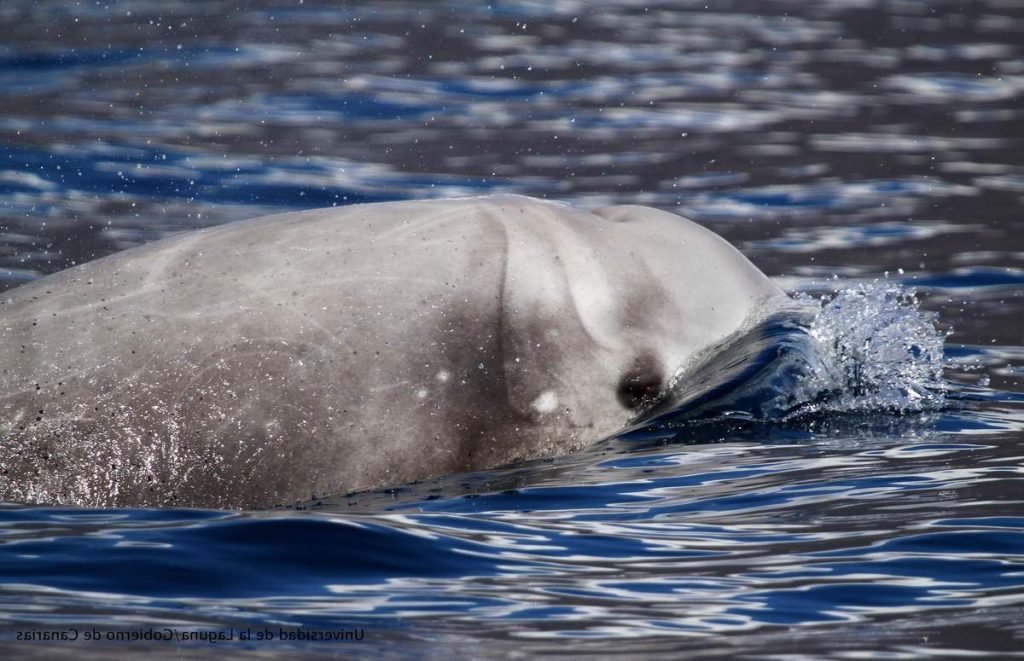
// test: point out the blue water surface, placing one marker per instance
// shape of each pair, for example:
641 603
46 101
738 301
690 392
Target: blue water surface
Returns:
844 147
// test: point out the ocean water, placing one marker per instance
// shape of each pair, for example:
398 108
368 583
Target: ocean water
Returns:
854 486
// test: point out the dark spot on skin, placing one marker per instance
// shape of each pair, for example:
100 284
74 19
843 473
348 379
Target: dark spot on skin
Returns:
641 384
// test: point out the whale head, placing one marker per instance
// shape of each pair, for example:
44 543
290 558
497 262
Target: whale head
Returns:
601 310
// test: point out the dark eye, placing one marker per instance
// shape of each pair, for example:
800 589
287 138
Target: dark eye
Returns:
641 384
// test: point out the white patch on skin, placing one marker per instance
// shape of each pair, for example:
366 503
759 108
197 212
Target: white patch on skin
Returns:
546 402
422 393
443 376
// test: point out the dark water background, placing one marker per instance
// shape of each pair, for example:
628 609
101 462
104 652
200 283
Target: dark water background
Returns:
835 142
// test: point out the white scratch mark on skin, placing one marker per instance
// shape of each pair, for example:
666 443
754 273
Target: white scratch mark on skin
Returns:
388 386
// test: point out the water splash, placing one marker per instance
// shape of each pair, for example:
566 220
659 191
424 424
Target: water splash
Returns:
865 349
875 349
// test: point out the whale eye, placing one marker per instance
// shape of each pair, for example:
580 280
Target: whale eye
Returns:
641 383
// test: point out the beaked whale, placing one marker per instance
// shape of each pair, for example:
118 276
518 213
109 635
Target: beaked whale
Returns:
321 352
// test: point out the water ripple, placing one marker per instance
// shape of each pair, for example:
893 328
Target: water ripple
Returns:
833 142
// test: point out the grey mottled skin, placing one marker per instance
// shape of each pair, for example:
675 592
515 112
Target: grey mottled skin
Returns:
320 352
